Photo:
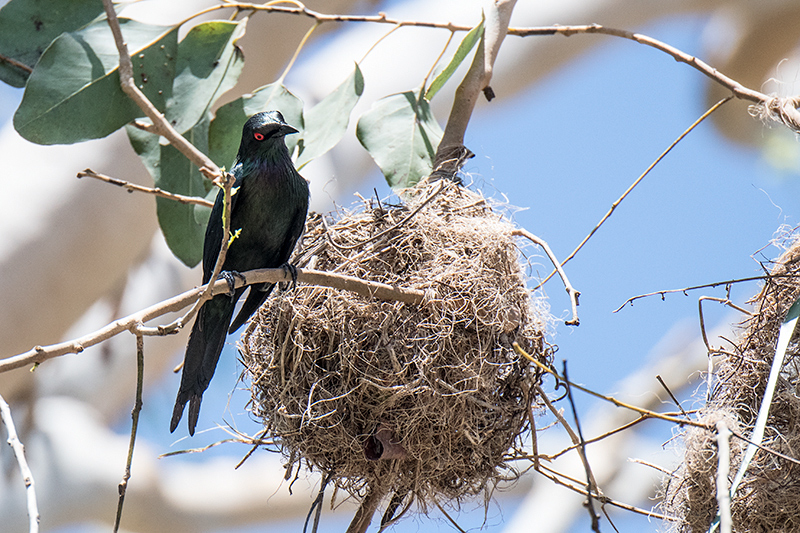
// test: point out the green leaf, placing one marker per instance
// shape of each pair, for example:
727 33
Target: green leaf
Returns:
74 95
27 27
225 133
208 65
183 225
326 122
401 135
472 37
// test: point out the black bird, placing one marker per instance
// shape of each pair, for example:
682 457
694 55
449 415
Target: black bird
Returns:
269 205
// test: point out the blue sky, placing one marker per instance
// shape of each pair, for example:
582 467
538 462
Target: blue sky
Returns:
565 150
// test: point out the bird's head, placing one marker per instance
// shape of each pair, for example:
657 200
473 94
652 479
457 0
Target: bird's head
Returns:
263 132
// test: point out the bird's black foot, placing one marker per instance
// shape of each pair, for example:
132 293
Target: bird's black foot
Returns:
290 269
230 278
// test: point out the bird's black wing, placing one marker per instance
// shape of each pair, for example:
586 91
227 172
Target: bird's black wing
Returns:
259 293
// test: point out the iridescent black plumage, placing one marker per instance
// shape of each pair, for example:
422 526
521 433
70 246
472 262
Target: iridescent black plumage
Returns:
269 206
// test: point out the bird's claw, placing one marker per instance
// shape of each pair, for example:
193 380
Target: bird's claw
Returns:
290 269
230 278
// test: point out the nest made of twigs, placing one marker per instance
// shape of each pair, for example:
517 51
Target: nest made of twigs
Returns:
768 498
387 397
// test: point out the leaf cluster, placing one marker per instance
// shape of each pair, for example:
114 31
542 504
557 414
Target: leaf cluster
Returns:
65 56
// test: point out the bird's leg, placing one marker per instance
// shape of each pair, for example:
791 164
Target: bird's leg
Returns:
290 269
229 277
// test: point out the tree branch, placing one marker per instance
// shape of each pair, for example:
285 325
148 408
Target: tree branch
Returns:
27 475
160 124
573 294
368 289
783 110
610 399
156 191
451 152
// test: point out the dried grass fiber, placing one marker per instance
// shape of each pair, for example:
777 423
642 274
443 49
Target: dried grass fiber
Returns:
768 499
428 400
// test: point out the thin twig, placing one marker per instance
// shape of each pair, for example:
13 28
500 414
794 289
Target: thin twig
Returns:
160 124
674 399
15 63
368 289
724 301
393 227
316 505
156 191
574 437
450 518
591 484
639 179
607 434
436 62
24 469
764 448
226 184
736 88
704 286
618 429
554 476
611 399
783 110
573 294
137 409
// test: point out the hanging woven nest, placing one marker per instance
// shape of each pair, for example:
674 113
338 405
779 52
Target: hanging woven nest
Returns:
768 497
426 400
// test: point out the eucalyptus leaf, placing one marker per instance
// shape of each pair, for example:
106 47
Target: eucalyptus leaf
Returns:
74 94
209 64
467 44
183 225
326 122
401 135
225 132
27 27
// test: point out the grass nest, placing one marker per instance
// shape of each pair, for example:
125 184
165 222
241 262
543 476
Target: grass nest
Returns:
768 498
385 397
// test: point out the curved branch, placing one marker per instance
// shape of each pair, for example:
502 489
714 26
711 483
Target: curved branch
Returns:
160 124
132 323
24 469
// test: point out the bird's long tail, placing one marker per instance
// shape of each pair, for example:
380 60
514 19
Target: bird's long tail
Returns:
202 354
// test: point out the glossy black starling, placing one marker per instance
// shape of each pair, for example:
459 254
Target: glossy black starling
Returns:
269 206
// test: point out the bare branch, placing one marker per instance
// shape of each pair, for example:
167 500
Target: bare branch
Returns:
15 63
27 475
783 110
368 289
577 440
573 294
156 191
160 124
684 290
555 476
451 150
137 409
639 179
610 399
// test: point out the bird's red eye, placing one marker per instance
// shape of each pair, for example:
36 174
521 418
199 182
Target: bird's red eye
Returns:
258 136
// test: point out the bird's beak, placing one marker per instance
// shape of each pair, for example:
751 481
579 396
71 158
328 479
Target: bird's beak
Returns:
288 130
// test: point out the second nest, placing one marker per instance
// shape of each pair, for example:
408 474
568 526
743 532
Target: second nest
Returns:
428 400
